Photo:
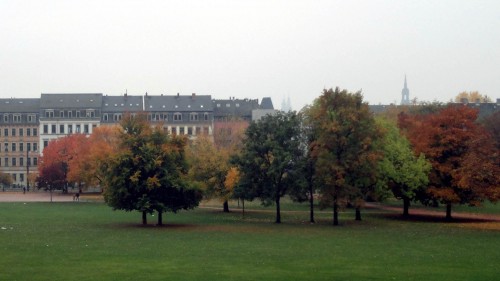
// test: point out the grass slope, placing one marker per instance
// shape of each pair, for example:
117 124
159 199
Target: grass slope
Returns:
89 241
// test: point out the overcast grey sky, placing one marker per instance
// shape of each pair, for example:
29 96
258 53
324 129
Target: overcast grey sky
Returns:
250 49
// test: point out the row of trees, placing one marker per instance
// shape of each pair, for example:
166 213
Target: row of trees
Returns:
335 150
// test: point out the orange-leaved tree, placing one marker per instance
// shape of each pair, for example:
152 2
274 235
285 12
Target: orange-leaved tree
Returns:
462 155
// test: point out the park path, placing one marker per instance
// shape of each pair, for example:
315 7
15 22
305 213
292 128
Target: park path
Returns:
38 196
431 213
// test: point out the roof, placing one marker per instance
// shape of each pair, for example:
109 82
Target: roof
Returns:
52 101
179 103
125 103
235 107
266 103
19 105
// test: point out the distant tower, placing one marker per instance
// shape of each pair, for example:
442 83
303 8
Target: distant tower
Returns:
405 95
286 105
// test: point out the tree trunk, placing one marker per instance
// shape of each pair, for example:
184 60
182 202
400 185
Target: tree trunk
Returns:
144 218
226 207
311 205
160 218
335 213
243 205
448 211
278 214
358 213
406 207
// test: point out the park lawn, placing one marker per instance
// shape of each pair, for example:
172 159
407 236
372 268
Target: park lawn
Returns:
89 241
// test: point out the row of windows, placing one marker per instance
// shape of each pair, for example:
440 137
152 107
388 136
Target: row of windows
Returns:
14 161
17 118
228 105
193 116
190 130
69 129
20 131
89 113
13 146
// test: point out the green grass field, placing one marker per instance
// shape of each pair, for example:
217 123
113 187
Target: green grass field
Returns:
89 241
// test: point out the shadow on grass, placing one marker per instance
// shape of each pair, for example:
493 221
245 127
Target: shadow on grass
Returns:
436 218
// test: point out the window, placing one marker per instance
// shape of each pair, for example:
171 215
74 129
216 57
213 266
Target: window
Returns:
78 129
45 129
117 117
86 128
45 143
237 105
17 118
228 105
190 131
205 116
13 132
6 118
78 114
70 129
105 117
49 113
177 116
21 132
28 161
35 146
181 131
35 132
14 176
53 129
70 114
31 118
13 146
28 132
35 161
90 113
14 161
6 146
61 113
198 130
6 162
6 132
21 161
28 146
193 116
21 177
21 146
218 105
61 129
165 116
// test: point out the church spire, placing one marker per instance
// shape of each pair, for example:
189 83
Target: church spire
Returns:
405 94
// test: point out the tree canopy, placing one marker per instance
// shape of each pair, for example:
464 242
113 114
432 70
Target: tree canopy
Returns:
149 173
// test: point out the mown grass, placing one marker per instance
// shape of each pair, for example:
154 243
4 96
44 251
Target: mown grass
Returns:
89 241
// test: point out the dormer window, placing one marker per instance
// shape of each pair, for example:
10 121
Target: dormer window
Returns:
193 116
177 116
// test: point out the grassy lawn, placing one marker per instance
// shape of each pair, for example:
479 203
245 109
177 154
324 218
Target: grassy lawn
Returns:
89 241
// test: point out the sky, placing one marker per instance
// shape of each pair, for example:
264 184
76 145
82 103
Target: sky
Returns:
251 49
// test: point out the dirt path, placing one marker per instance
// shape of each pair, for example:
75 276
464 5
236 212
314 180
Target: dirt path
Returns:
437 214
38 196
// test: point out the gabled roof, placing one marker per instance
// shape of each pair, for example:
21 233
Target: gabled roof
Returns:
52 101
19 105
125 103
192 103
235 107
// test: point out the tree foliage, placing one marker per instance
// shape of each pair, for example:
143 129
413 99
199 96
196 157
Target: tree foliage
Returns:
149 172
270 160
343 147
400 171
472 96
463 157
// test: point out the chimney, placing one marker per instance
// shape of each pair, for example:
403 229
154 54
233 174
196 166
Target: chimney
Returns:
177 94
193 95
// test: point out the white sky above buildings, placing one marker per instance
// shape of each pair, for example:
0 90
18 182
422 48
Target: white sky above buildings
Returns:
250 49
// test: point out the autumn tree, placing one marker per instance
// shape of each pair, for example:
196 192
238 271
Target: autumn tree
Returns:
5 180
270 159
149 172
492 124
472 96
399 170
58 155
100 146
343 147
464 160
209 166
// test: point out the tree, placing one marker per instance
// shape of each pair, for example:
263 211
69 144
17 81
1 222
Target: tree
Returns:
270 159
209 166
149 172
492 124
343 147
52 176
5 180
461 153
400 170
101 145
58 155
472 96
